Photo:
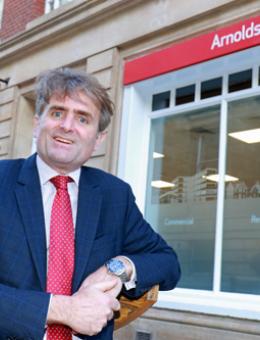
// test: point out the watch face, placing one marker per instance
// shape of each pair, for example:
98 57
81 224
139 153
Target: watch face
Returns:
116 266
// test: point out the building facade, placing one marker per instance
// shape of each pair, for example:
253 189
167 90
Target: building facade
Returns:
185 79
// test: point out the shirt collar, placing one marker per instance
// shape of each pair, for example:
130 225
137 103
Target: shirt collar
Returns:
46 172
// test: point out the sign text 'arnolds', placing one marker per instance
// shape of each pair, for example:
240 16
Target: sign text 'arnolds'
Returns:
223 41
246 32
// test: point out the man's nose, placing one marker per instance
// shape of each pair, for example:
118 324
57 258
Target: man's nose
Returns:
67 122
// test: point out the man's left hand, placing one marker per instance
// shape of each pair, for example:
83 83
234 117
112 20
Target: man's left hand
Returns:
102 275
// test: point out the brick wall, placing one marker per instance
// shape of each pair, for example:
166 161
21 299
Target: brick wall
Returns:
17 13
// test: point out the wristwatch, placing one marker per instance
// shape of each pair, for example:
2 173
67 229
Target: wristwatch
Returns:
116 267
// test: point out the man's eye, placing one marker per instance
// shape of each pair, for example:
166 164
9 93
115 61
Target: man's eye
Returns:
56 114
83 120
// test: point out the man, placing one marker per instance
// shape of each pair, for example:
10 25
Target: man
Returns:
68 250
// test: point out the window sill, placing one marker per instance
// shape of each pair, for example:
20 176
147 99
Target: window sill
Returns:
223 304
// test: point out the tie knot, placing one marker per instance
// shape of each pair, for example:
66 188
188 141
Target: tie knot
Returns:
60 182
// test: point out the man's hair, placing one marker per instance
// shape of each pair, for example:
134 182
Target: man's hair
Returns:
63 82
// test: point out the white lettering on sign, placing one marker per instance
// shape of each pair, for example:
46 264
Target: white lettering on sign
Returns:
245 33
186 221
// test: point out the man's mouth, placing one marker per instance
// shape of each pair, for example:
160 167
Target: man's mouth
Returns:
63 140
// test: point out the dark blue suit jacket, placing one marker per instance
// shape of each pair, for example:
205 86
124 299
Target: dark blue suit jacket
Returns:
108 224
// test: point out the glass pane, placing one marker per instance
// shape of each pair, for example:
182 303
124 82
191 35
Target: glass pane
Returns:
185 95
241 242
181 199
211 88
240 81
161 101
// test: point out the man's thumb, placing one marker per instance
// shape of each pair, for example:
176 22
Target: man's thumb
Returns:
106 285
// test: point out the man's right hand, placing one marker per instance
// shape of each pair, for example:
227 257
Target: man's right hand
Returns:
87 311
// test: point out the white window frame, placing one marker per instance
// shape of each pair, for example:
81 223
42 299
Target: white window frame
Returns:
1 11
133 166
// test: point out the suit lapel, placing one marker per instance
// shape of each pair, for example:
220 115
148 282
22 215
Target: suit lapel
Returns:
88 212
29 199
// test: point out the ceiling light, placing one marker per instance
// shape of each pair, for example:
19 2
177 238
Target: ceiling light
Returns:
247 136
162 184
215 178
157 155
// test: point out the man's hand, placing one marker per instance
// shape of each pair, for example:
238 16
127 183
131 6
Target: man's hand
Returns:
92 306
102 275
88 310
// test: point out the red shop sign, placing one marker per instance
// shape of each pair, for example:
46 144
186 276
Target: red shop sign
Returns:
236 37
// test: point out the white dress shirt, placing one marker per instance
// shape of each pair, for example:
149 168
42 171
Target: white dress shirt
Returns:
48 191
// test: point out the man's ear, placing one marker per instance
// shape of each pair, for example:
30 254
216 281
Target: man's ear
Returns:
101 136
36 119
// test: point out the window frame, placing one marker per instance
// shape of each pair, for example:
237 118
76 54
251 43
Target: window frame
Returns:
1 12
133 165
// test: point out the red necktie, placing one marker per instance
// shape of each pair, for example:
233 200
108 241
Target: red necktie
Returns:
61 252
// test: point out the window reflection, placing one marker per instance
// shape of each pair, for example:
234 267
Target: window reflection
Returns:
183 208
211 88
161 100
185 95
240 81
241 243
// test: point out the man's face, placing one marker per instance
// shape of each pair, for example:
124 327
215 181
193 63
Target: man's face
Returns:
67 132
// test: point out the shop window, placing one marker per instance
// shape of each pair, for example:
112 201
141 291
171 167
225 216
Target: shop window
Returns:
185 95
240 81
201 188
182 193
241 229
211 88
182 198
161 101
